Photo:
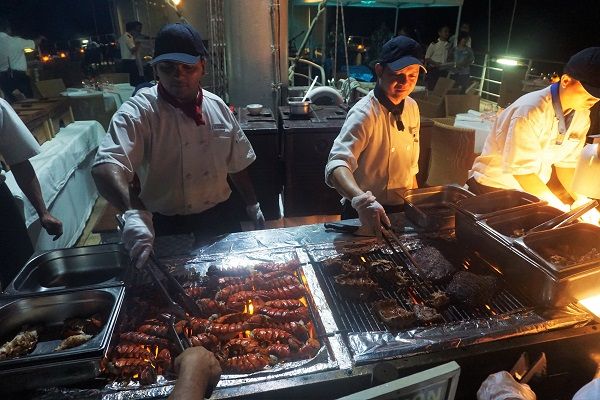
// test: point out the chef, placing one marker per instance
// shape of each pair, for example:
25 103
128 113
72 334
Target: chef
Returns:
17 145
183 143
375 157
540 130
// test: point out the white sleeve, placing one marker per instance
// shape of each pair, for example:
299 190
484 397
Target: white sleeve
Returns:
242 153
17 144
429 51
130 42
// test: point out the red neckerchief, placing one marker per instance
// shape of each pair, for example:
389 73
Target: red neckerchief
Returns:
192 109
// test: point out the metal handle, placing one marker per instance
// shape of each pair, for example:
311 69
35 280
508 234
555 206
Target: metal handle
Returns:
564 218
339 227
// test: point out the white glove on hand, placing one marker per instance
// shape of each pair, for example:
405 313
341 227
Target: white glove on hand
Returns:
370 213
502 386
138 235
256 216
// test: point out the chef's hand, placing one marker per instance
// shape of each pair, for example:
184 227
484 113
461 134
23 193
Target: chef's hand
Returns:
256 216
502 386
370 213
52 225
138 235
198 369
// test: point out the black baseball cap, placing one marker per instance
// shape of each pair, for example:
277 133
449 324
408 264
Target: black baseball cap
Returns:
585 67
179 43
400 52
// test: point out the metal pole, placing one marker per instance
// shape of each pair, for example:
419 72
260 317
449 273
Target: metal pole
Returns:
457 25
483 73
512 18
489 25
396 21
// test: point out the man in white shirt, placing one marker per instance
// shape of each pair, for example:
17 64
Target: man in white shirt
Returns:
376 154
436 57
183 143
129 48
14 81
17 145
540 130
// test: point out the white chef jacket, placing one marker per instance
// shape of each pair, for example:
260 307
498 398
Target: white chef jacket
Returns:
17 144
523 141
383 159
127 43
11 52
438 51
182 167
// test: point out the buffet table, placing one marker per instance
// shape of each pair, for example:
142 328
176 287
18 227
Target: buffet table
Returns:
481 123
63 170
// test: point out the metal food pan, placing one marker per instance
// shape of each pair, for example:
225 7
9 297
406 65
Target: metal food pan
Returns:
44 366
433 208
506 226
78 267
496 203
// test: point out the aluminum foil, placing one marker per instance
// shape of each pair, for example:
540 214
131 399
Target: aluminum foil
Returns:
367 346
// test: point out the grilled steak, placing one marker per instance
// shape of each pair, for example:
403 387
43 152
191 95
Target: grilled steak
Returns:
432 265
393 315
355 288
438 300
344 265
426 314
472 289
387 273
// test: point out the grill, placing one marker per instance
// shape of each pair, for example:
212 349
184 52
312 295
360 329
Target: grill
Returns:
357 316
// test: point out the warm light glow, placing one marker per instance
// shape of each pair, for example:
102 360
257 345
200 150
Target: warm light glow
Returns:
250 307
81 50
62 54
363 259
85 41
176 2
507 61
360 47
45 58
28 50
592 303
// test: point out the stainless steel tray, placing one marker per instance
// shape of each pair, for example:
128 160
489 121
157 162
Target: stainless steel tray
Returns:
78 267
45 367
495 203
433 208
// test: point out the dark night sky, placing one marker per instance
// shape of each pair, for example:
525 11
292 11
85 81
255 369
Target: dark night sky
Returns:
548 29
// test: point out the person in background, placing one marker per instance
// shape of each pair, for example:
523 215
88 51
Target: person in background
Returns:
14 81
17 145
463 58
465 28
183 143
436 57
375 157
197 369
540 130
129 48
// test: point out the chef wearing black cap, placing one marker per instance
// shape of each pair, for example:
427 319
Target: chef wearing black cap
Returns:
375 157
539 130
183 143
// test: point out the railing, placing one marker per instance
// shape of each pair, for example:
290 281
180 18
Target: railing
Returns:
292 74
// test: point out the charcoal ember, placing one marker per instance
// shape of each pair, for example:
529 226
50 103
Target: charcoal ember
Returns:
387 273
438 300
432 265
394 315
472 289
351 287
426 314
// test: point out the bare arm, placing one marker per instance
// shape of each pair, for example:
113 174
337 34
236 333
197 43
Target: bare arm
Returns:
565 176
242 182
343 181
112 184
28 182
198 368
531 183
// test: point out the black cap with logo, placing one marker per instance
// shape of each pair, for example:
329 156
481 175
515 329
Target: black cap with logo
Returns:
400 52
585 67
179 43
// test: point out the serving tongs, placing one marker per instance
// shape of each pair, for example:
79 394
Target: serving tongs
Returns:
523 370
564 218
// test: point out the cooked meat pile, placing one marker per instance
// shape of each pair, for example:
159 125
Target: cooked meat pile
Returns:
427 314
472 289
251 318
22 344
438 300
566 259
393 315
432 265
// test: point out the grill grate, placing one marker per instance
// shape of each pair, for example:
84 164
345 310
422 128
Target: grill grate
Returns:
358 316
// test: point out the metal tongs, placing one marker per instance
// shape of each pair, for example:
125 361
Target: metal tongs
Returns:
564 218
523 370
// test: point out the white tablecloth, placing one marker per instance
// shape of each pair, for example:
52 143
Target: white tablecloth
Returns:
63 169
475 120
114 95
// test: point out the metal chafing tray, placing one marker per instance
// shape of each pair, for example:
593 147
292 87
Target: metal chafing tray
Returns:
495 203
78 267
433 208
44 366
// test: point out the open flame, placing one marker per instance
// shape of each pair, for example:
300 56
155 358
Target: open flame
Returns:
592 303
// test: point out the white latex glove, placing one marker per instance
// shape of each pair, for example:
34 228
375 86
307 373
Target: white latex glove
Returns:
256 216
589 391
592 216
138 235
502 386
370 213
